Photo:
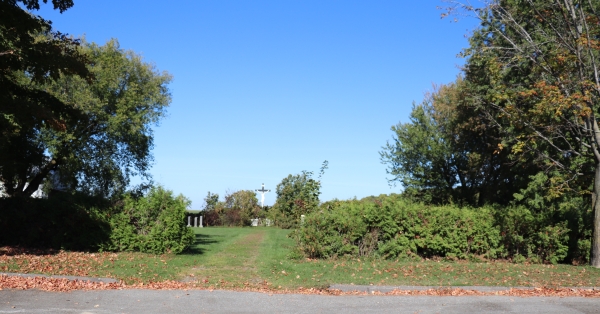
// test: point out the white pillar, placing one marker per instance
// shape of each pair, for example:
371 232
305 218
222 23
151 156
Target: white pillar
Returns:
189 221
195 221
200 221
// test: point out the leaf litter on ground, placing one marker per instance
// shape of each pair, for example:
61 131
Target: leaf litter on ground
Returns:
65 285
86 264
283 275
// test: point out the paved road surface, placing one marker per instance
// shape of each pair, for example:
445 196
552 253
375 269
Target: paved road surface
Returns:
199 301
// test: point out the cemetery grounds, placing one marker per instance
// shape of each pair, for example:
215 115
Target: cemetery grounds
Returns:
263 258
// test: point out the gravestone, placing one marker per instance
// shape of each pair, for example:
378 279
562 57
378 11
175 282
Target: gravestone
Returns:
255 222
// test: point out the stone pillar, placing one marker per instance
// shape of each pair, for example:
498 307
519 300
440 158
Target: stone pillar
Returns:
195 221
200 221
189 220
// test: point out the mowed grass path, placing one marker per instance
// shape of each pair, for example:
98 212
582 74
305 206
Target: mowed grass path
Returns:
259 258
228 256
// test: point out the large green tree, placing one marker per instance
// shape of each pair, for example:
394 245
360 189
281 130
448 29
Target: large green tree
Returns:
108 140
449 153
31 53
297 195
534 69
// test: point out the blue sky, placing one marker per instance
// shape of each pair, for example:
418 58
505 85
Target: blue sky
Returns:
263 89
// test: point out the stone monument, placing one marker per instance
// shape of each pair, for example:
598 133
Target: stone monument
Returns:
262 195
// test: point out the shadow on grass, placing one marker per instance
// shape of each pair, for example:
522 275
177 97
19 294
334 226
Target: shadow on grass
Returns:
17 250
202 240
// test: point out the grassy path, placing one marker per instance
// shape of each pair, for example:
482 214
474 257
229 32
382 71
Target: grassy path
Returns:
232 261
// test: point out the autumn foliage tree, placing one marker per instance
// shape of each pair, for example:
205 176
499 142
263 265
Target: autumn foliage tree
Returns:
533 69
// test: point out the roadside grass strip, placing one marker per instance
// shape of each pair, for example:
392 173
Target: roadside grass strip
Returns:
260 259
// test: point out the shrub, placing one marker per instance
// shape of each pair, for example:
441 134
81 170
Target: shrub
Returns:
237 209
548 224
64 221
153 224
533 236
393 227
212 218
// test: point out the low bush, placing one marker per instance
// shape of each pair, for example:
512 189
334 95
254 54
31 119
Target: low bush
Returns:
394 227
154 223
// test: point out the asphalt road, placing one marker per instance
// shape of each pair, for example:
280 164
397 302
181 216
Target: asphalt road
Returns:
201 301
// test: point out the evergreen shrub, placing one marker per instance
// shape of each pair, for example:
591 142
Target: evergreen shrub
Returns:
532 236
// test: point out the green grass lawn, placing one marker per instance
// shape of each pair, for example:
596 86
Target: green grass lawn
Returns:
237 257
259 257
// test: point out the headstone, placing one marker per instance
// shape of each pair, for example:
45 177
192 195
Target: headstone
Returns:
189 220
267 222
195 221
255 222
200 221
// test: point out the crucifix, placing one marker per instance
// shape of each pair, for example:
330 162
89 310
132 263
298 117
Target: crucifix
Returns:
262 195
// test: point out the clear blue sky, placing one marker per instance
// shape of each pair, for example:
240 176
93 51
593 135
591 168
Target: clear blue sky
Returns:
263 89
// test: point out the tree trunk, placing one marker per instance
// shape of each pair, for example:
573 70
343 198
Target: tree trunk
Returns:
34 184
595 250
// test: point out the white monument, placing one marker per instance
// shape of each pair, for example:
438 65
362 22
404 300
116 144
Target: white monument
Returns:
262 195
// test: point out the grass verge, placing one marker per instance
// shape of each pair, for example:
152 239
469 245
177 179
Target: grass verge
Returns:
247 257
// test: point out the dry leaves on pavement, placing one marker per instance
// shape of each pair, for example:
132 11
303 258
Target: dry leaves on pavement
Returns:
63 285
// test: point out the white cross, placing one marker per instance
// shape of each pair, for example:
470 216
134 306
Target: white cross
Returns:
262 195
